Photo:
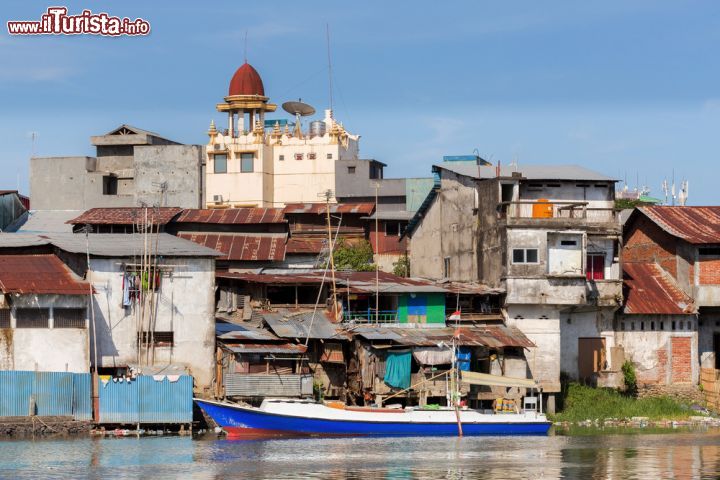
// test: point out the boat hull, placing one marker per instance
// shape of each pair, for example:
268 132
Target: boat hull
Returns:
252 422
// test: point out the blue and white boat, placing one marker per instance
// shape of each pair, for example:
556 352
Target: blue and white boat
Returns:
284 417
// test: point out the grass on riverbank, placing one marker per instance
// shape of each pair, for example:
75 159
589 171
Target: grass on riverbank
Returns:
587 403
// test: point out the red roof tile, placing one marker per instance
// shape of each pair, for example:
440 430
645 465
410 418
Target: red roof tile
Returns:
38 274
305 245
242 247
650 290
319 208
232 216
697 225
126 216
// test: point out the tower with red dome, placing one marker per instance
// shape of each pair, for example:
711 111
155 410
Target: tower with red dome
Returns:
263 162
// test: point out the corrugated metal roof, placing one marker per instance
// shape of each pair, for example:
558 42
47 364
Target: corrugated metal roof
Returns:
281 348
232 216
697 225
241 246
493 336
295 279
232 331
108 244
471 288
38 274
399 215
301 325
650 290
529 172
126 216
49 221
299 245
319 208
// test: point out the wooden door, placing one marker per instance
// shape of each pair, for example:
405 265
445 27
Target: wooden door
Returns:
591 356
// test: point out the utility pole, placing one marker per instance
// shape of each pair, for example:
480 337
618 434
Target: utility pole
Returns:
328 195
377 265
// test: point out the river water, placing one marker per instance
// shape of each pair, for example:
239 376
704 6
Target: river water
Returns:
607 456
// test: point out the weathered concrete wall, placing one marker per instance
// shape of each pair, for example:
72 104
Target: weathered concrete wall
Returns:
425 246
664 348
541 324
179 166
492 236
186 307
585 324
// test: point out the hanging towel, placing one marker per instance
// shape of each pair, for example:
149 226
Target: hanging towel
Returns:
105 379
158 378
432 355
126 290
173 378
397 368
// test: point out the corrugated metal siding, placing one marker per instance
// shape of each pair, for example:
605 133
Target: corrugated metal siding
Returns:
242 385
145 400
56 394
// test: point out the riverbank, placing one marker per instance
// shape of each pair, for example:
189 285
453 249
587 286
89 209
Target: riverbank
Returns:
31 426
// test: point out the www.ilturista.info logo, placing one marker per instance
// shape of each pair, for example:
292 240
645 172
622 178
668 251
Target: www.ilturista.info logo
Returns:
56 21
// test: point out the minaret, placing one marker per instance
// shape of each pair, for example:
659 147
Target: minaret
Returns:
246 102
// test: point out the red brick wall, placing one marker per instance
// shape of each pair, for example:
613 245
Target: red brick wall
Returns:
709 271
681 360
662 365
645 242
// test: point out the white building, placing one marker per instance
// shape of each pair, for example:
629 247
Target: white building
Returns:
259 162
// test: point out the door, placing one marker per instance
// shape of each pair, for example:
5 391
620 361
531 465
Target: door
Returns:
595 269
591 356
716 349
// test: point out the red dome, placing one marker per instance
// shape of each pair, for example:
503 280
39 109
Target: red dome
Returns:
246 81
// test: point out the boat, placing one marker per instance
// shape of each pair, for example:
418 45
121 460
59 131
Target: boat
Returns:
288 417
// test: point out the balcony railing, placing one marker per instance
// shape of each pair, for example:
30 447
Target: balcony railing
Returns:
370 316
556 210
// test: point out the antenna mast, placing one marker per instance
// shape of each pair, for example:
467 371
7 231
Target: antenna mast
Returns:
330 84
245 47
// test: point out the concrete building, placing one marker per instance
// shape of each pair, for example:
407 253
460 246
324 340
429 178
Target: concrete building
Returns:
683 242
255 162
171 324
549 236
131 167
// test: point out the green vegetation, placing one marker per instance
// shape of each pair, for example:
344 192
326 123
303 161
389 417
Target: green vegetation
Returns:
630 379
401 268
626 203
357 257
587 403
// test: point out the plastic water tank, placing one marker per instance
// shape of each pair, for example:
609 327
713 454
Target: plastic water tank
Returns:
317 128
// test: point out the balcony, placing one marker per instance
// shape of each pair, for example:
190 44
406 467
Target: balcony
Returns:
554 212
559 290
370 316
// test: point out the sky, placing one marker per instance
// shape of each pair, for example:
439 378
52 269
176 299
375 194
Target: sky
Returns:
629 89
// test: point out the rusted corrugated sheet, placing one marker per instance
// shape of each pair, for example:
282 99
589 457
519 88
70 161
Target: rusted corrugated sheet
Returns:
232 216
280 348
126 216
649 290
299 245
297 279
242 247
38 274
695 225
493 336
319 208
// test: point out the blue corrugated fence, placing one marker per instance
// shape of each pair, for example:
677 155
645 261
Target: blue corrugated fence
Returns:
54 393
146 400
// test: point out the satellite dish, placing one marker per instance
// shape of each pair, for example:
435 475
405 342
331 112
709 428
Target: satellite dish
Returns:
299 109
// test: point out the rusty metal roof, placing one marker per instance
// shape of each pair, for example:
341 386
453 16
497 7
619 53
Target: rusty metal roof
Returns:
266 278
319 208
471 288
493 336
268 348
231 331
240 246
305 245
126 216
232 216
38 274
301 325
650 290
697 225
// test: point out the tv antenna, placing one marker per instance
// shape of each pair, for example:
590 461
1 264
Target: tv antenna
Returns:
299 109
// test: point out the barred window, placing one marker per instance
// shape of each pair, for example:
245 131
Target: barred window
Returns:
159 339
32 317
5 318
69 318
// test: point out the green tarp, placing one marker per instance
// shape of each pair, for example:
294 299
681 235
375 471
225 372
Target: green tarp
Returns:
397 368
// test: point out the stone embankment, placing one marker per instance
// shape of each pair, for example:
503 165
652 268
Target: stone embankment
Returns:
644 422
28 426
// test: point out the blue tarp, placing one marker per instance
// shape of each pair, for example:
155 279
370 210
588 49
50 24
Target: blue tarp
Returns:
463 359
397 368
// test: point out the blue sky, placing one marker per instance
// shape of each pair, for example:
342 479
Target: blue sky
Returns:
631 89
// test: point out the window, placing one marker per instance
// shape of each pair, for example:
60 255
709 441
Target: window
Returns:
281 157
220 163
446 267
568 243
709 251
392 229
329 156
110 185
312 156
298 156
5 318
351 170
32 317
247 162
595 266
159 339
525 255
69 318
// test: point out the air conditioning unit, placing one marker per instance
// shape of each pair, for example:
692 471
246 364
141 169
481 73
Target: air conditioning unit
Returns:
217 199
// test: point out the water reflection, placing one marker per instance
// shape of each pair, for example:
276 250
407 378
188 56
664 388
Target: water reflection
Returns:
675 455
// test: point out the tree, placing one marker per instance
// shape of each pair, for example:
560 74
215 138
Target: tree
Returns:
401 268
357 257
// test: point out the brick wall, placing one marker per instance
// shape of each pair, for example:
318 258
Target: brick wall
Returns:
645 242
709 271
662 365
681 366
